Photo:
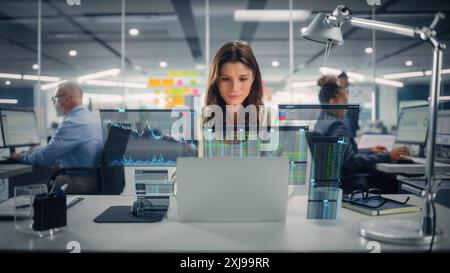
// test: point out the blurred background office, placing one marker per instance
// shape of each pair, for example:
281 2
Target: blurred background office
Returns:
156 54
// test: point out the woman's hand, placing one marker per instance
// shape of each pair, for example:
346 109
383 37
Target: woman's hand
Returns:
399 152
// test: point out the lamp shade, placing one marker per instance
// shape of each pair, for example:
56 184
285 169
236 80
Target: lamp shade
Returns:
321 31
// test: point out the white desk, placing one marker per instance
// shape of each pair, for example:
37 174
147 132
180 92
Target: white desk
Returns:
10 170
297 234
418 169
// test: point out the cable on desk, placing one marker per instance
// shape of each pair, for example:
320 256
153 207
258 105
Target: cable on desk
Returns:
2 186
434 225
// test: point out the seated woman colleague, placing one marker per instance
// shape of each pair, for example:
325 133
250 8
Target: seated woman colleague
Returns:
355 162
233 99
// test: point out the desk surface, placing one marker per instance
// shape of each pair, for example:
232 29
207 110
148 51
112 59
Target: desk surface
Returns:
410 168
297 234
10 170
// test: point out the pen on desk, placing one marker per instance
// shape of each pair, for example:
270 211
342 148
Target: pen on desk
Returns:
52 187
74 202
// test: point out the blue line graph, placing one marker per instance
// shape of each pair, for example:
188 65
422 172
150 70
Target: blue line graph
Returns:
147 132
153 160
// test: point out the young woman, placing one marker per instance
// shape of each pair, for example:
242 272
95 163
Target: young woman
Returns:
233 100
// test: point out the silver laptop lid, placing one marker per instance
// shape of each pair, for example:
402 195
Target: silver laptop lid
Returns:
232 189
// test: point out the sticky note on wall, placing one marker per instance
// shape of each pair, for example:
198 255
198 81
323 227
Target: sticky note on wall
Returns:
167 82
154 82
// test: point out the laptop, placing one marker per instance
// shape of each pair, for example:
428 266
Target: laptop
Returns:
367 141
232 189
412 131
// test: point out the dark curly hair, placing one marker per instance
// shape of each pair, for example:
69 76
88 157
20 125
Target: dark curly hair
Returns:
329 88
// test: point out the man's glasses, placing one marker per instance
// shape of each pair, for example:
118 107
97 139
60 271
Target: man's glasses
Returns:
55 98
371 198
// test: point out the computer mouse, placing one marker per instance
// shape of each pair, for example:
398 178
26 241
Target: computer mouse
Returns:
138 208
150 208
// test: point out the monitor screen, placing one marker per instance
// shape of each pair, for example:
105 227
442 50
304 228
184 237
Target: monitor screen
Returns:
19 128
368 141
310 114
292 144
293 112
412 125
2 144
147 137
443 133
443 128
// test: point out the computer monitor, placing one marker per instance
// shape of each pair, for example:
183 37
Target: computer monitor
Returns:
292 144
19 128
443 128
298 112
2 143
443 133
145 137
413 125
310 114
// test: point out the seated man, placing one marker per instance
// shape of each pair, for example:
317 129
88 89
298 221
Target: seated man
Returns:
355 162
77 142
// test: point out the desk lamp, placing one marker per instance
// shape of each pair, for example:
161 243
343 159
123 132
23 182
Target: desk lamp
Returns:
326 28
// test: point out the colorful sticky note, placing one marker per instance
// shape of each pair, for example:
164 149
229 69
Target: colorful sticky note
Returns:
167 82
154 82
195 91
178 101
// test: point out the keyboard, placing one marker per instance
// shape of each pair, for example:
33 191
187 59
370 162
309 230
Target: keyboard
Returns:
404 161
411 160
9 161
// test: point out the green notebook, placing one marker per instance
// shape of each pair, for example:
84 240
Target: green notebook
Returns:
389 207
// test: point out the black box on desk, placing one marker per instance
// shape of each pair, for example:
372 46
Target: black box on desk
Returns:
49 212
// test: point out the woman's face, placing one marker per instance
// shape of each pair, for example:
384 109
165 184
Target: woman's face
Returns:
235 82
341 98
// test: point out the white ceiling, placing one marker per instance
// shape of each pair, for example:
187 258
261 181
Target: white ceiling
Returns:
167 33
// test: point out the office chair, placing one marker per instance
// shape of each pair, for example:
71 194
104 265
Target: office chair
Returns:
110 178
113 177
97 171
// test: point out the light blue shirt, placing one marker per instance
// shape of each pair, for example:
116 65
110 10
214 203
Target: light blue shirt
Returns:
77 142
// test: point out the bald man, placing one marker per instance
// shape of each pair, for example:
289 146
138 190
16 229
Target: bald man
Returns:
77 142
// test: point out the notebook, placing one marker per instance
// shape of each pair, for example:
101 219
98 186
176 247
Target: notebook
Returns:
390 207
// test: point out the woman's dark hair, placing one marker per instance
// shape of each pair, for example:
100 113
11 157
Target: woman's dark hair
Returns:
329 88
235 51
343 75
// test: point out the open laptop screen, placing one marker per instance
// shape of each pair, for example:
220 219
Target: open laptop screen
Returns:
443 133
368 141
412 125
